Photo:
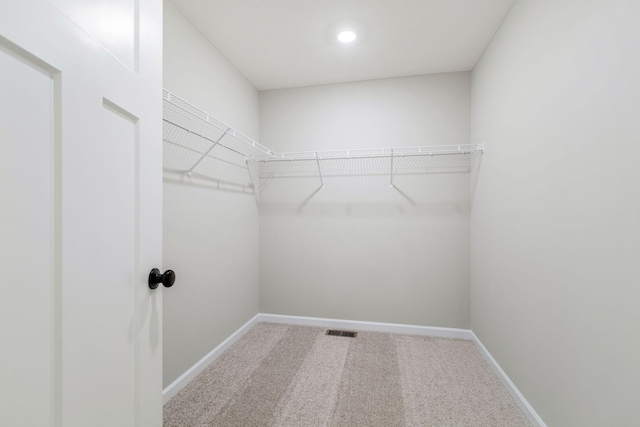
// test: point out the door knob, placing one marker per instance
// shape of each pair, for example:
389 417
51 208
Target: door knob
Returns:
167 278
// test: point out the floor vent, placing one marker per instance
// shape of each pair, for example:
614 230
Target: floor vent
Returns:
338 333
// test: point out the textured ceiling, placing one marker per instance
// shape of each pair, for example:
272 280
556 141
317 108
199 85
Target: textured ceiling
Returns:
288 43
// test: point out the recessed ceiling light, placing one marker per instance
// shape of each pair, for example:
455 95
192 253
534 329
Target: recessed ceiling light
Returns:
347 36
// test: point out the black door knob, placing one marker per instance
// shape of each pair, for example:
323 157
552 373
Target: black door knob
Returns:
167 278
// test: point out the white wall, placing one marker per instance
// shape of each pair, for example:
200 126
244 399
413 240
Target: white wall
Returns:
210 235
359 249
555 230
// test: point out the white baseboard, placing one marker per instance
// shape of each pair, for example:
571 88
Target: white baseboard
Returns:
184 379
465 334
528 410
396 328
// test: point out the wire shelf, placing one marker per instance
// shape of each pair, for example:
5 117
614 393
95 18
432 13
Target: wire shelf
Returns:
197 143
204 148
367 165
371 153
190 119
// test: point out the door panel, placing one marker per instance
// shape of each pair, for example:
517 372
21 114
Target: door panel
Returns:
113 23
119 234
27 259
81 200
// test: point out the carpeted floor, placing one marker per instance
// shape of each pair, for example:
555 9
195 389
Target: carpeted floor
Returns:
282 375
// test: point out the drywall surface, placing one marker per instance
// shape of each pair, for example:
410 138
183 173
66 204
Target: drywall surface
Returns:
210 231
554 261
358 249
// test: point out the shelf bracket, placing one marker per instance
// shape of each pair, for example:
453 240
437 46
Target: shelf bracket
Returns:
190 171
391 175
319 171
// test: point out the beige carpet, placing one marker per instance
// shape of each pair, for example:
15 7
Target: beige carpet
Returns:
281 375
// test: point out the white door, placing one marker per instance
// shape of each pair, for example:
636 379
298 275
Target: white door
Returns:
80 212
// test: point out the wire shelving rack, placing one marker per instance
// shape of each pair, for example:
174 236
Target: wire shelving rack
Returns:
206 138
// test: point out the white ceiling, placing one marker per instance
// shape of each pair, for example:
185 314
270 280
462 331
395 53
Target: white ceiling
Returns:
288 43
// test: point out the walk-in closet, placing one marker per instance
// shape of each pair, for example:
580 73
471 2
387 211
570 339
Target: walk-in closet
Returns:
319 213
488 199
